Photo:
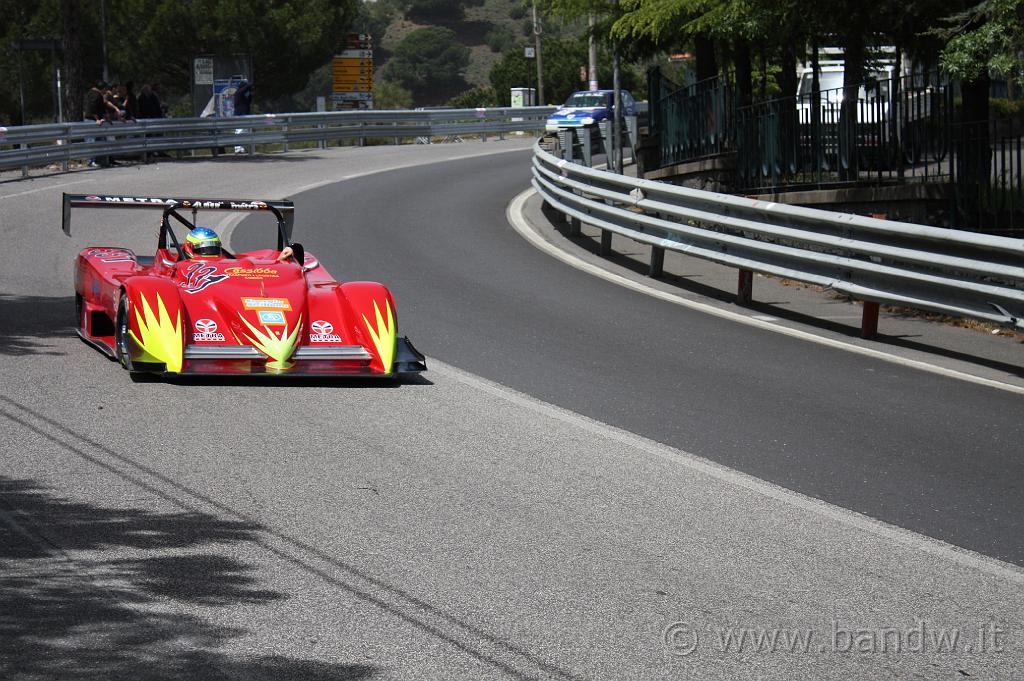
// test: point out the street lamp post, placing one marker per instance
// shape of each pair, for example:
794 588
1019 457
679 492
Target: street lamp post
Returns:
540 69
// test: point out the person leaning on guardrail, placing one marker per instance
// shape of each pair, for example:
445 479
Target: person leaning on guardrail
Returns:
115 113
95 111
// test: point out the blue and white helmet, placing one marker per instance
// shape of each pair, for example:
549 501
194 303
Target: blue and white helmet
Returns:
202 242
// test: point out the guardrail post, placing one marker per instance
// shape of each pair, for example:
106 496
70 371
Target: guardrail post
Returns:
869 320
585 146
565 138
575 227
284 129
66 141
745 287
657 262
606 242
24 169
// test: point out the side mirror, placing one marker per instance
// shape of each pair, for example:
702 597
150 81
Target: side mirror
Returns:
299 254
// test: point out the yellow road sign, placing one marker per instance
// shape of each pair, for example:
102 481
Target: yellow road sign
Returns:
336 62
352 87
351 69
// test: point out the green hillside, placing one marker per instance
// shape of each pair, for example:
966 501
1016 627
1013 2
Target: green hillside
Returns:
488 30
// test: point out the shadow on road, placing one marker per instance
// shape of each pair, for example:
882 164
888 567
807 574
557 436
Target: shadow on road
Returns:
58 620
28 322
41 627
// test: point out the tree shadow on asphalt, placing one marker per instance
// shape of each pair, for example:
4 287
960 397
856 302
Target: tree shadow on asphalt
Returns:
114 622
27 323
43 627
639 265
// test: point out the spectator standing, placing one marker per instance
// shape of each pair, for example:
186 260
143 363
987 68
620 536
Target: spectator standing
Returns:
95 112
243 98
131 102
115 113
149 103
243 107
115 109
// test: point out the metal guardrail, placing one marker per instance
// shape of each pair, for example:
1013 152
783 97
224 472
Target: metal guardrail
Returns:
957 273
36 145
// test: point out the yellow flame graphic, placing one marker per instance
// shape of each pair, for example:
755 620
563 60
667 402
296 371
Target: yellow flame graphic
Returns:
161 338
383 335
277 349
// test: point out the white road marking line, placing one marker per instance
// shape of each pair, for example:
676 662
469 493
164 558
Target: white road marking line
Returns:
908 538
514 213
43 189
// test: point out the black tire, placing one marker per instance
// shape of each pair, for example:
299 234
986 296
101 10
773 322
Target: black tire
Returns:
121 334
79 320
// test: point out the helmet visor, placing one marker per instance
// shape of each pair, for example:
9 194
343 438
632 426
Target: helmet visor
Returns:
206 248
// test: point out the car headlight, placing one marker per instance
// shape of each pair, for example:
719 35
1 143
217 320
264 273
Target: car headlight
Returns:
587 121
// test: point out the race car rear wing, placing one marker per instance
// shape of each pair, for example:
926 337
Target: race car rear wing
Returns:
283 210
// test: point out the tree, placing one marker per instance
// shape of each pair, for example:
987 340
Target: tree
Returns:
562 62
480 96
986 37
439 10
430 63
387 94
287 39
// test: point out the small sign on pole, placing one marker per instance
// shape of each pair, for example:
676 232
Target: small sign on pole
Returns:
529 52
203 71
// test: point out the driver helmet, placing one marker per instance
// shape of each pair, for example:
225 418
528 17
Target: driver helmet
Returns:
202 242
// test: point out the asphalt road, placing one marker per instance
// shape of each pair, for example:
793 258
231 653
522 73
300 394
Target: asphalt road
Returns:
924 452
532 509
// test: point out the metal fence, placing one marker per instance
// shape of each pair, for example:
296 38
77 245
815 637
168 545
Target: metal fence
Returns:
896 131
691 122
37 145
953 272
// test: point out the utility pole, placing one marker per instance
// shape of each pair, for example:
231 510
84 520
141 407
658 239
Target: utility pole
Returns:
592 54
617 124
103 39
540 69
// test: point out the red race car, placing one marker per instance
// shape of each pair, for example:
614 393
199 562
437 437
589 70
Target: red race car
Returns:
195 308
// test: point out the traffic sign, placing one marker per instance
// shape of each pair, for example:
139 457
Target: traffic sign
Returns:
352 96
353 87
355 54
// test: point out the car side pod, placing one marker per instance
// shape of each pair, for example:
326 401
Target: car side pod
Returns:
150 325
408 360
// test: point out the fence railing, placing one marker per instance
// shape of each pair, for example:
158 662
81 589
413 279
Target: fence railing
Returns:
691 122
895 130
953 272
35 145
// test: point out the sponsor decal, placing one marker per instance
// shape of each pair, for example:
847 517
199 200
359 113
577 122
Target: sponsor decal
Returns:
193 203
110 254
131 200
252 272
206 331
271 317
266 304
323 332
199 276
248 205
